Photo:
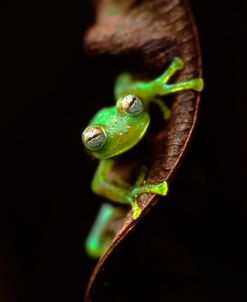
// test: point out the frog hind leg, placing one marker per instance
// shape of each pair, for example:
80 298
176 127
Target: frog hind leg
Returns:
161 87
126 85
148 91
166 111
193 84
176 65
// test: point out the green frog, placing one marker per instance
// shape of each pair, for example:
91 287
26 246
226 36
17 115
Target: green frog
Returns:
115 130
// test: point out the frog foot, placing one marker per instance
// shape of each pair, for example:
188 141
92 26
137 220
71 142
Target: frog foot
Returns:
161 87
136 210
160 189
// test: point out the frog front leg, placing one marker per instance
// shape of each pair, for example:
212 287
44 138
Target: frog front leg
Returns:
123 194
100 185
99 239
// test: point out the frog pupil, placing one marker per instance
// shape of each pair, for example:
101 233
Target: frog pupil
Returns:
132 102
94 136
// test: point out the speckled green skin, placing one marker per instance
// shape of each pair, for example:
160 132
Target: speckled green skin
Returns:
123 132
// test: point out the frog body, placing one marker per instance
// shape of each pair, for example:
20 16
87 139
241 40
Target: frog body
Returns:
123 131
117 129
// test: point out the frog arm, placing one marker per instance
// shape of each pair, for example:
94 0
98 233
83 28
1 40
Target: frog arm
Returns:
160 189
141 176
103 187
147 91
99 238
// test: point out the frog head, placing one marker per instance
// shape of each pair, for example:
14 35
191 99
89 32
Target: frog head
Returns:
115 130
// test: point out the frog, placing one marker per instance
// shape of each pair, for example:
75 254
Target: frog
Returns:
115 130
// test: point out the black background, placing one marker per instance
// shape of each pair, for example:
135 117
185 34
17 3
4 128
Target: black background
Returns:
45 102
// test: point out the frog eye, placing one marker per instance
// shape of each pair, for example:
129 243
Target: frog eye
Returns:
94 137
132 104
